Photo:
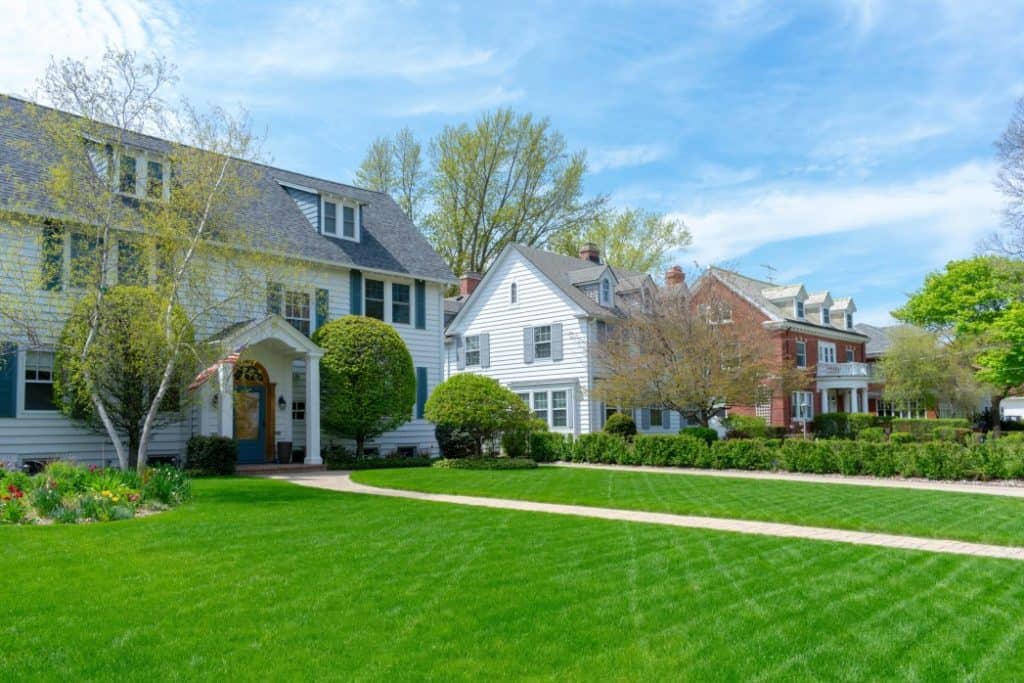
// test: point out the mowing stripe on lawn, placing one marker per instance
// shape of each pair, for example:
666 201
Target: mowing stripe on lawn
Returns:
340 481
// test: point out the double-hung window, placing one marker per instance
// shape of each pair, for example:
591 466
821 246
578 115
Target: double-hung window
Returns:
542 342
39 381
849 321
540 405
348 225
606 292
850 354
299 410
374 305
85 260
401 308
296 310
803 406
473 350
657 417
524 396
559 408
131 268
330 218
154 180
801 354
826 352
799 309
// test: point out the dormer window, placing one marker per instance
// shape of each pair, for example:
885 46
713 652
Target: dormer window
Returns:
799 309
849 321
349 222
606 292
154 180
330 218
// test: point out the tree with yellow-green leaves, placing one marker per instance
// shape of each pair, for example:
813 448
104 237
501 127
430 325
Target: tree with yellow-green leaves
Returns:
121 221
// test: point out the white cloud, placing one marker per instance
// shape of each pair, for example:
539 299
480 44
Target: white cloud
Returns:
459 102
33 31
949 212
608 158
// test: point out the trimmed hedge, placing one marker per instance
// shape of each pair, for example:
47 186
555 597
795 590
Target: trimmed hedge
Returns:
706 434
211 455
994 459
485 464
747 427
923 430
621 425
550 446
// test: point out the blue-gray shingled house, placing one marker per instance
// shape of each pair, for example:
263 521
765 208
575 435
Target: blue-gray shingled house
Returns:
359 252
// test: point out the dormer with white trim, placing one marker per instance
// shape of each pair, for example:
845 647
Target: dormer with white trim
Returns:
842 313
789 298
332 215
817 306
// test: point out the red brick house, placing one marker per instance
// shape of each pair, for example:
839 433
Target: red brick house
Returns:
812 331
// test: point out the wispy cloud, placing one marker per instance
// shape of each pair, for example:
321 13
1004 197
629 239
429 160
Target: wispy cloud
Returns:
459 101
608 158
949 211
33 31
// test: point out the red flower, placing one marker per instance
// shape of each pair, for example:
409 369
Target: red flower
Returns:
14 491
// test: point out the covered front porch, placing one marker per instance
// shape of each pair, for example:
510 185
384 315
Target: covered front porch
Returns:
251 397
843 397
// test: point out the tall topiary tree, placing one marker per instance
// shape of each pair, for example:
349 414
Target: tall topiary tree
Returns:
367 380
118 359
478 406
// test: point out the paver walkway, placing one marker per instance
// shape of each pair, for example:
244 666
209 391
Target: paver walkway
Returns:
1011 489
340 481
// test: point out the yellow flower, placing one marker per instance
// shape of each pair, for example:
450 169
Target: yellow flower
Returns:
106 493
114 498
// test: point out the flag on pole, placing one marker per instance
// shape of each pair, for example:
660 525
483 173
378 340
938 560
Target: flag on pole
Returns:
230 359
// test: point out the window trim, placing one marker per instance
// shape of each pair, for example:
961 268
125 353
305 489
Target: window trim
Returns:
537 343
606 289
24 382
822 346
407 303
800 356
475 338
799 310
340 204
797 406
308 307
513 294
661 412
383 299
323 223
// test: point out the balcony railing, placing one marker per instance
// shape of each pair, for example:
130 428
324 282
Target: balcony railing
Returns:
844 370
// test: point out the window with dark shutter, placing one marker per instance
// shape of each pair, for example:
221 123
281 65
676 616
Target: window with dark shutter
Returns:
323 305
275 297
400 304
421 391
53 256
374 300
8 379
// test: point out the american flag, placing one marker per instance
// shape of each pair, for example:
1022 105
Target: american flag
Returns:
230 359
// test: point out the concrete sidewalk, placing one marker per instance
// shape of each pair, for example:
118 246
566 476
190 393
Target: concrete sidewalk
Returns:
340 481
1010 489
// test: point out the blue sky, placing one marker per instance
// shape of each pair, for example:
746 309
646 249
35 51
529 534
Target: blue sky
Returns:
847 144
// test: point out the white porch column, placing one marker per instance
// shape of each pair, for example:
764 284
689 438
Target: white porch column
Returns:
226 399
854 400
313 410
824 400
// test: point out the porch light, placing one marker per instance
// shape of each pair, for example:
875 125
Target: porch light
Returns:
282 402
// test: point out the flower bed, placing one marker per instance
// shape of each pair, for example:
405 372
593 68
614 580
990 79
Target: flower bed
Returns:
66 493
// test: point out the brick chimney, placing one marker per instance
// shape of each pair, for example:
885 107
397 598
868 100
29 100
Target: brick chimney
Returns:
590 252
468 283
674 277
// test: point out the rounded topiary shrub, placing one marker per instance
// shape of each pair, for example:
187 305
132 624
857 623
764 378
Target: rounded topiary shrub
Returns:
705 434
620 424
477 407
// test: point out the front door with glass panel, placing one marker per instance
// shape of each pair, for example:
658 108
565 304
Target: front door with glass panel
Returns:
251 423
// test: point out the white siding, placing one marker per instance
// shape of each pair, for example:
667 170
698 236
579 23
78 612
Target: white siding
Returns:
490 311
51 435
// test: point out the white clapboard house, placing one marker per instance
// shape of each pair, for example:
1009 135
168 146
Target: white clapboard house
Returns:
357 251
533 322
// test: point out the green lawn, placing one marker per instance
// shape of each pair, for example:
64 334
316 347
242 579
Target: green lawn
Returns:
969 517
260 579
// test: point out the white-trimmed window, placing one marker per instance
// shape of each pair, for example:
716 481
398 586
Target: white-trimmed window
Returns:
524 396
374 299
798 307
849 321
542 341
299 410
826 352
128 175
330 218
803 406
39 381
657 417
801 354
296 310
401 304
154 180
851 354
559 408
540 405
472 350
904 409
348 222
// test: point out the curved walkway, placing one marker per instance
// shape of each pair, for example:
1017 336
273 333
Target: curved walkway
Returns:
1008 489
340 481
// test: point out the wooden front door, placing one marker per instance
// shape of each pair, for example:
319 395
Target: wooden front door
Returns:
254 414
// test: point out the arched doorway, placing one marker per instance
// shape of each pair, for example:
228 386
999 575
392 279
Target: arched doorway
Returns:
254 416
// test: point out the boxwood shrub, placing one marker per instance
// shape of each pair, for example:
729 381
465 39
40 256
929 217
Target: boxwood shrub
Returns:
485 464
599 448
708 434
923 429
550 446
211 455
681 450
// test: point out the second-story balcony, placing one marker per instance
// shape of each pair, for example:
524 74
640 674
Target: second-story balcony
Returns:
844 370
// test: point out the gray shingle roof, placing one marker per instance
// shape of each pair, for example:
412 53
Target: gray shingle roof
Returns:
389 240
564 271
879 340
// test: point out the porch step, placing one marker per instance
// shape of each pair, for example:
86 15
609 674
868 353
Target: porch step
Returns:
275 468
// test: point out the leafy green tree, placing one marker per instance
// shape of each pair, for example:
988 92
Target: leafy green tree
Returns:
919 366
507 178
167 221
478 406
395 166
124 364
367 380
978 305
632 239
